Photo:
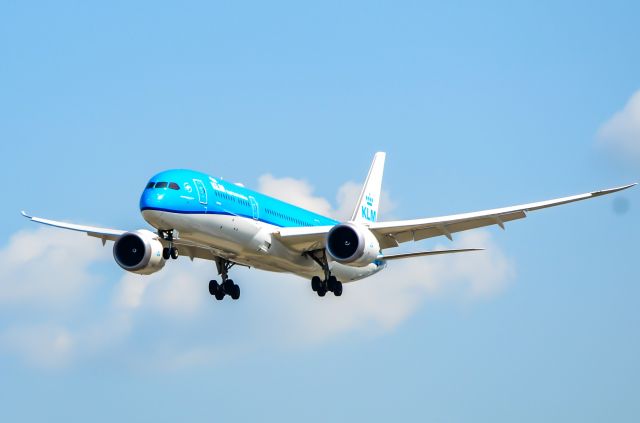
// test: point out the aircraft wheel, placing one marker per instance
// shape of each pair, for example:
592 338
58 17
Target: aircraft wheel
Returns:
166 253
316 283
228 286
235 292
219 295
331 283
213 287
173 252
322 291
337 289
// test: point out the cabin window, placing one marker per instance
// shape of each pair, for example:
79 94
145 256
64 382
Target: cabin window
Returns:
150 185
173 185
161 185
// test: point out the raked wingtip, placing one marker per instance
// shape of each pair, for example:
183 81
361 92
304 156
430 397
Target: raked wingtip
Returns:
625 187
612 190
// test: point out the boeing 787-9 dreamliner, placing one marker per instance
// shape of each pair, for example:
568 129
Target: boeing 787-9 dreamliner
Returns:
199 216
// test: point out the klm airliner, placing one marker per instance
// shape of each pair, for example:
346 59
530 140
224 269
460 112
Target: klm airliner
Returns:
199 216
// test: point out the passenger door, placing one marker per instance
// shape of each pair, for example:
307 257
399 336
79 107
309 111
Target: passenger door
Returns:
254 208
202 192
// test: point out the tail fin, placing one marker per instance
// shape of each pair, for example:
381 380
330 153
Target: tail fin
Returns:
367 207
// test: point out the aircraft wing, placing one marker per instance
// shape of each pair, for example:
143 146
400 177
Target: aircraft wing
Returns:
426 253
392 233
103 233
415 230
303 238
186 248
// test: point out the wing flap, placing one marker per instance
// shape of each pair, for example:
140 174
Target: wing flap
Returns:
499 220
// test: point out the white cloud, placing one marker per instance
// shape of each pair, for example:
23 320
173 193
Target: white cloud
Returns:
36 268
300 193
348 195
168 320
42 345
380 303
621 133
178 290
130 291
294 191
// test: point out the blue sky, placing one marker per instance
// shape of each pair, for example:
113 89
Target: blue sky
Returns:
478 106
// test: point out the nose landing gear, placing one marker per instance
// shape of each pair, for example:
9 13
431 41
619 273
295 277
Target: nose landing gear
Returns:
170 251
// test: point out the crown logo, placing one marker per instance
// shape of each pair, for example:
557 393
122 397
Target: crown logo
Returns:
369 200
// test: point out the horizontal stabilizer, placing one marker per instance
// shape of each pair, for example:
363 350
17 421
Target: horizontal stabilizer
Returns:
426 253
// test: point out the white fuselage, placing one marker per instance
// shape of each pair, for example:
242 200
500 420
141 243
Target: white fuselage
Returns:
249 242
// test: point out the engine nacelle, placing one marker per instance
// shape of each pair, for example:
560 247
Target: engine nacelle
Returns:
352 244
139 252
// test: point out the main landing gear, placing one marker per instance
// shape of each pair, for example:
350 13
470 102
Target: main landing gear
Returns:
170 251
227 287
329 283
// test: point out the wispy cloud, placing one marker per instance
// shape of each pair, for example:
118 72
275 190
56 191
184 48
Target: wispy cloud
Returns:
47 268
621 133
41 345
294 191
379 304
168 320
301 193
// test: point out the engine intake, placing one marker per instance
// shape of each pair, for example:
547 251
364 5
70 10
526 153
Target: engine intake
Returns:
139 252
349 243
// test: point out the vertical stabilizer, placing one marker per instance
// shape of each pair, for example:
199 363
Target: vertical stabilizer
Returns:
367 207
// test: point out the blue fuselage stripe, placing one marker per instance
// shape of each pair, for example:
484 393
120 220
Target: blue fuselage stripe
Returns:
191 192
207 212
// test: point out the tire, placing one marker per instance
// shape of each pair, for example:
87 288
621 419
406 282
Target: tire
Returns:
235 292
228 286
337 290
316 283
322 292
331 283
213 287
165 253
174 253
219 295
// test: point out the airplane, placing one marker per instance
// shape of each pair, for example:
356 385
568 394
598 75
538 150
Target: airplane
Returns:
200 216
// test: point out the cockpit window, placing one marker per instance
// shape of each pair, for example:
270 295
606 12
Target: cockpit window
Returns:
161 185
150 185
173 185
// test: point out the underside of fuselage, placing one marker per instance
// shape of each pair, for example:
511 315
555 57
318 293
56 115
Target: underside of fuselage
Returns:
248 242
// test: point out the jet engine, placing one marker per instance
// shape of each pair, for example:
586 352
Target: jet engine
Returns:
352 244
139 252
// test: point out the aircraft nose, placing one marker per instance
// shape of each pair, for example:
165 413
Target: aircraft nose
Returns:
151 199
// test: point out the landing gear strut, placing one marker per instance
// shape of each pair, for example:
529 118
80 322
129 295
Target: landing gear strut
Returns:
170 251
329 283
227 287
